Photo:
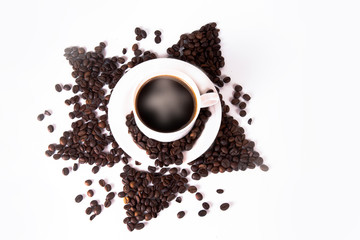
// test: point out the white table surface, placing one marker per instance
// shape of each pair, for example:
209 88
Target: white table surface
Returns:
299 60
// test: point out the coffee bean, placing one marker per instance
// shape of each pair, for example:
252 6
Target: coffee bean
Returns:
92 217
121 194
264 167
65 171
235 101
143 34
67 87
181 214
47 113
88 211
108 187
94 203
135 47
250 121
110 196
199 196
97 209
58 88
242 105
192 189
202 213
137 163
95 169
236 95
220 191
157 33
246 97
78 198
75 167
139 226
238 88
90 193
259 161
88 182
178 199
195 176
157 39
102 182
50 128
226 79
224 206
242 113
107 203
183 173
205 205
124 51
40 117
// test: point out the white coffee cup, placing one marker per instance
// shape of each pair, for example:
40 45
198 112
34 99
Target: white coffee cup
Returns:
201 101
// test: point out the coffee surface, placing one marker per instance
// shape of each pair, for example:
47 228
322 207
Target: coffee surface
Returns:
165 104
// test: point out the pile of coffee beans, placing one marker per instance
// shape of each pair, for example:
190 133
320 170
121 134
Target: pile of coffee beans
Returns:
167 153
146 193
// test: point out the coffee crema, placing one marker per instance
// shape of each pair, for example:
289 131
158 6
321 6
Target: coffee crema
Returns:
165 104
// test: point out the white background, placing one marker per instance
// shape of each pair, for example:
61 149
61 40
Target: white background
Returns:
299 60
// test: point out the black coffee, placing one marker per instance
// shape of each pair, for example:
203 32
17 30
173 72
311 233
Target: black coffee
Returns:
165 104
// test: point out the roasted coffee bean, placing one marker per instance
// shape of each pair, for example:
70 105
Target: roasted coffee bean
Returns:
58 88
94 203
40 117
137 163
195 176
242 113
259 161
219 191
50 128
236 95
95 169
139 226
88 182
92 217
107 203
246 97
107 187
135 47
183 173
192 189
224 206
65 171
235 101
67 87
181 214
124 51
238 88
102 182
226 79
110 196
205 205
157 33
178 199
143 34
242 105
157 39
90 193
88 211
47 112
250 121
199 196
97 209
121 194
264 167
78 198
202 213
75 167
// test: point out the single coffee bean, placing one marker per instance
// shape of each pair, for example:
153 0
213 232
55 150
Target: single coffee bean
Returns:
242 113
220 191
246 97
192 189
90 193
75 167
148 216
94 203
205 205
97 209
65 171
47 113
226 79
195 176
124 51
157 33
235 101
181 214
199 196
264 167
67 87
78 198
102 182
107 203
92 217
202 213
236 95
242 105
139 226
250 121
88 182
183 173
58 88
157 39
50 128
238 88
108 187
95 169
137 163
40 117
110 196
178 199
224 206
143 34
88 210
135 47
259 161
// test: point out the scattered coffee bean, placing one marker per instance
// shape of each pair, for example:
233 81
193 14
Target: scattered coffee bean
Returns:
92 217
75 167
246 97
94 203
88 210
47 113
220 191
178 199
124 51
102 182
90 193
242 113
259 161
157 39
202 213
226 79
110 196
97 209
58 88
108 187
264 167
50 128
40 117
107 203
65 171
139 226
181 214
205 205
250 121
67 87
236 95
78 198
135 47
238 88
157 33
242 105
192 189
199 196
235 101
195 176
95 169
137 163
88 182
224 206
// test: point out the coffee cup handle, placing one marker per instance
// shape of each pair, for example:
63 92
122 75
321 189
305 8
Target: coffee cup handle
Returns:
208 99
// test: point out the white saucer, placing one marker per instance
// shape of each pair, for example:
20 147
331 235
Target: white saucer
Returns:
120 105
